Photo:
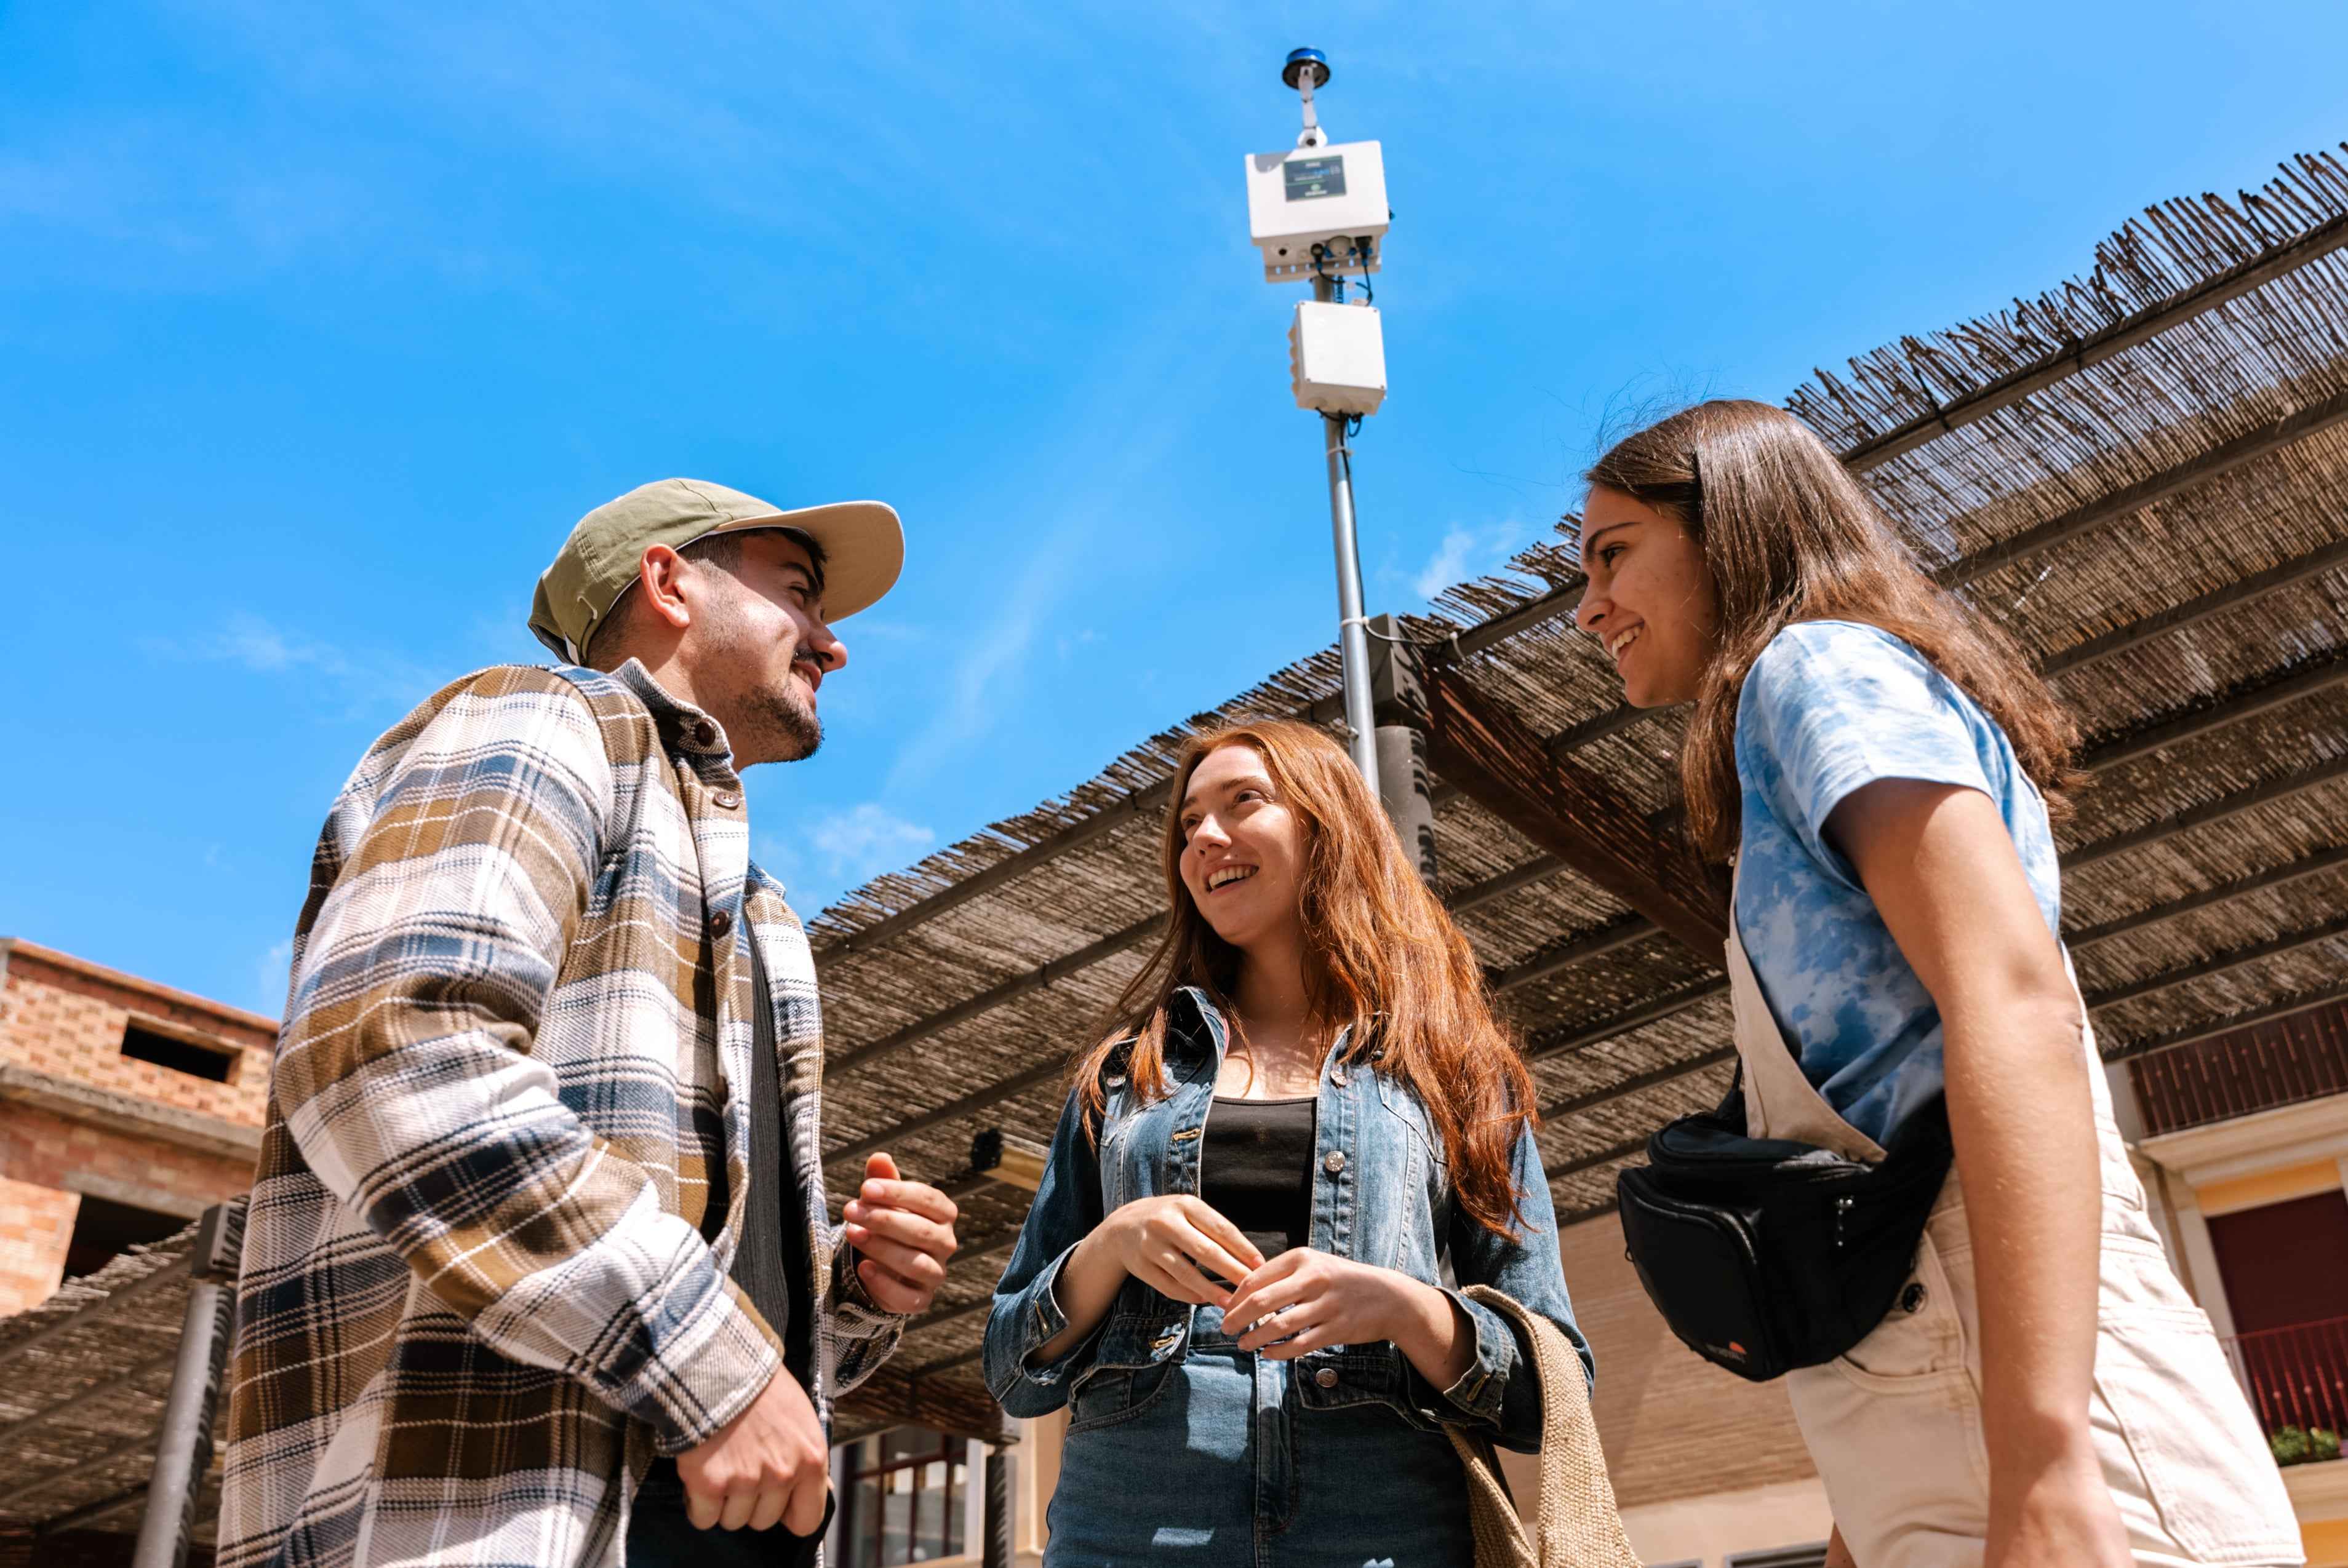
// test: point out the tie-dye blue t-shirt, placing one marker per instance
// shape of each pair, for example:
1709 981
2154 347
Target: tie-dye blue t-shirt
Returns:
1830 706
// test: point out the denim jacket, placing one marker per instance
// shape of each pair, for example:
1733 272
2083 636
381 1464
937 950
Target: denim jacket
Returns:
1381 1195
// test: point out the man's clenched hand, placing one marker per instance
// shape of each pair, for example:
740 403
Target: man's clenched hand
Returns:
905 1231
767 1464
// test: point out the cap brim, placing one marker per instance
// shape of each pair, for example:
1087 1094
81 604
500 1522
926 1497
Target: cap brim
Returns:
863 549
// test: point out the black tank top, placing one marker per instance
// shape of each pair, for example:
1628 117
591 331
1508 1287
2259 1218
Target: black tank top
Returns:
1256 1170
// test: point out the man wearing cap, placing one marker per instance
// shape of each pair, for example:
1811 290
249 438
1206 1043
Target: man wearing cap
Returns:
539 1268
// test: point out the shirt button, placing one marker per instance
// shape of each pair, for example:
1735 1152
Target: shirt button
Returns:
720 923
1338 1078
726 800
1333 1163
704 734
1326 1376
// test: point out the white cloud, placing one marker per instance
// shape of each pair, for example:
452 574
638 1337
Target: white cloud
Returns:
270 973
260 648
988 660
866 840
1466 552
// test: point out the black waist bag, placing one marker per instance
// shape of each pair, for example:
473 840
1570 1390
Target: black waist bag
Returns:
1766 1254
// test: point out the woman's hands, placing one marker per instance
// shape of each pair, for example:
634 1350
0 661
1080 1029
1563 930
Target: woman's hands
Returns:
1304 1300
1299 1302
1165 1242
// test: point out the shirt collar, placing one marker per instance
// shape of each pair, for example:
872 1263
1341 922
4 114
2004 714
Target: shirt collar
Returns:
684 728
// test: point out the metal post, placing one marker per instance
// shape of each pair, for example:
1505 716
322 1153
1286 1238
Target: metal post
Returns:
1405 783
1353 644
183 1443
996 1551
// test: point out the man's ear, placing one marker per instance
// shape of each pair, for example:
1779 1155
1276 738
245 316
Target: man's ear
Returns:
659 578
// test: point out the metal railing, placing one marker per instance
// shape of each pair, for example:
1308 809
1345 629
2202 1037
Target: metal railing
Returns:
2304 1057
2295 1377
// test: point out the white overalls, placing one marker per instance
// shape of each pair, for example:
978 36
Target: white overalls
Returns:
1895 1425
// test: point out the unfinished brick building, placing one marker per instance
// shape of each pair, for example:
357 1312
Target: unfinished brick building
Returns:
126 1108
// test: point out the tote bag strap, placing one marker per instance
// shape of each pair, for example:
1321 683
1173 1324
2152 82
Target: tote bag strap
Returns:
1577 1524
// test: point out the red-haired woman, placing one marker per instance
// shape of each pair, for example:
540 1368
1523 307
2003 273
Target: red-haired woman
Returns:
1234 1272
1883 764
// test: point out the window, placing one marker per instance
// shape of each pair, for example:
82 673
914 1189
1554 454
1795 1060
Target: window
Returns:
186 1056
907 1492
103 1230
2284 1263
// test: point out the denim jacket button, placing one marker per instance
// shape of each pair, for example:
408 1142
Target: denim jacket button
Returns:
1338 1078
1326 1376
1333 1162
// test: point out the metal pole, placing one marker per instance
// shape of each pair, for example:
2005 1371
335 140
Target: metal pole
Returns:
995 1553
1353 643
183 1444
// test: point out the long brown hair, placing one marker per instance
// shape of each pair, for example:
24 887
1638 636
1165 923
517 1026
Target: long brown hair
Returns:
1789 536
1382 959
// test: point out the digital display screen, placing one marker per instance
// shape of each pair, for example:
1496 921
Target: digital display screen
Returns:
1311 178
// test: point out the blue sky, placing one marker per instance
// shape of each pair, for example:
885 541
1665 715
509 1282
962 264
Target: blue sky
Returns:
319 325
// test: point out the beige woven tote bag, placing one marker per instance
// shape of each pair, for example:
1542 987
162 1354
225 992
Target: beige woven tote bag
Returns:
1578 1526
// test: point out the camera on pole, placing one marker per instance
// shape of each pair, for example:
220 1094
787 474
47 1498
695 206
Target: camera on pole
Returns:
1317 211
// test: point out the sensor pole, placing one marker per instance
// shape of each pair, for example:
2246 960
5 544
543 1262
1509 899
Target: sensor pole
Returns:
1305 69
1352 633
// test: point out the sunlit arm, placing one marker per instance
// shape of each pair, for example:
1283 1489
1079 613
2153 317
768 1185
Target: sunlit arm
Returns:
1943 871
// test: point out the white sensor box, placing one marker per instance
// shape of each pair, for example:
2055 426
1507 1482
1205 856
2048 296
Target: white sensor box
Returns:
1337 358
1332 195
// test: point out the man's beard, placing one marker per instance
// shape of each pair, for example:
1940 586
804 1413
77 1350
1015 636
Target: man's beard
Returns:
795 730
786 729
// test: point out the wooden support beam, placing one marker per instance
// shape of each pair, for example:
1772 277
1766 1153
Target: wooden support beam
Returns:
2226 893
1564 808
1670 1073
2308 679
1606 939
2221 963
2224 808
2249 590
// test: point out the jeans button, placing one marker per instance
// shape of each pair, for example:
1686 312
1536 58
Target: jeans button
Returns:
1326 1376
1333 1162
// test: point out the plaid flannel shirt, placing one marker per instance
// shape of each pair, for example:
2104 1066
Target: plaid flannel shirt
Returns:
476 1298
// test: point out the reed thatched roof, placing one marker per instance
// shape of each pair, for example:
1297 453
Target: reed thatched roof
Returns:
2143 472
82 1381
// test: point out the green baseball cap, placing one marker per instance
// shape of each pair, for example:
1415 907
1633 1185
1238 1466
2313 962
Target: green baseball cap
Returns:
863 547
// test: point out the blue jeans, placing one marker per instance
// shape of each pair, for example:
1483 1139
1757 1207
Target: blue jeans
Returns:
1217 1463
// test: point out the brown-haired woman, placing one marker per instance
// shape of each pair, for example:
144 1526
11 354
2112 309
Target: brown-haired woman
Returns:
1882 765
1246 1311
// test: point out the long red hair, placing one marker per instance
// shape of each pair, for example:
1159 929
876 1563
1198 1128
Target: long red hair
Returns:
1382 961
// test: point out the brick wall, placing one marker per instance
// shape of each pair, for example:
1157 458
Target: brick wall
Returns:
61 1022
1674 1424
126 1166
35 1222
65 1016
